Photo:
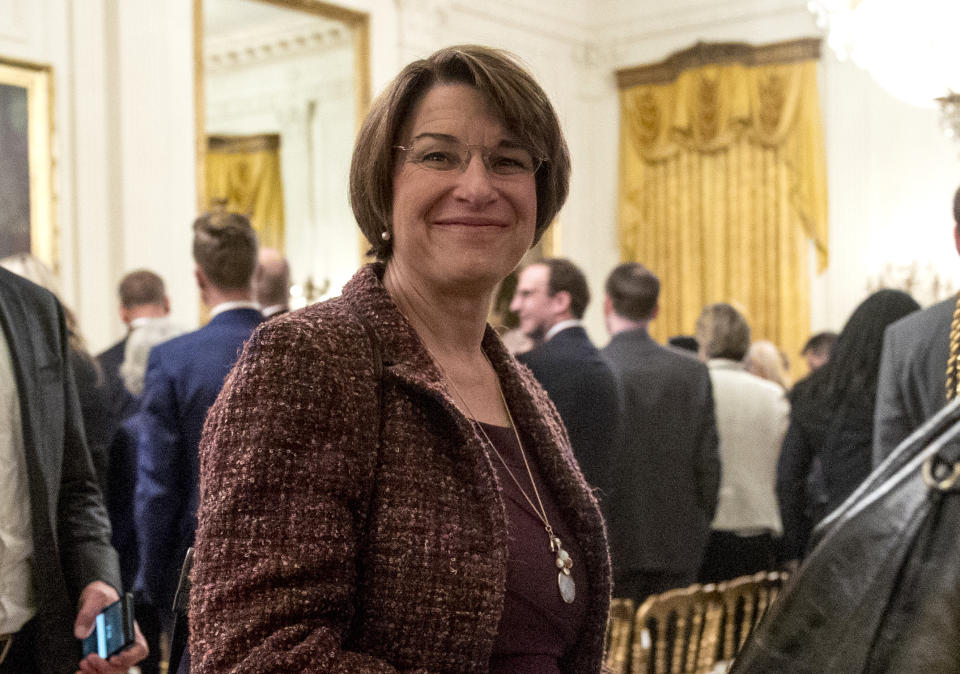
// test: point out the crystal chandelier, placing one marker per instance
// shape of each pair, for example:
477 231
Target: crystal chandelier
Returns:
911 48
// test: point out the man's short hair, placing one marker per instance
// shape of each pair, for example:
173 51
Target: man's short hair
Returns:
225 247
141 287
723 332
566 276
820 343
633 291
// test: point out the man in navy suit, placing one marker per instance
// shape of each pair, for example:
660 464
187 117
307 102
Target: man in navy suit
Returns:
184 376
550 299
669 470
57 569
143 298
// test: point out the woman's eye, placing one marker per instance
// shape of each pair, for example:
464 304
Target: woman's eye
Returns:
439 159
505 164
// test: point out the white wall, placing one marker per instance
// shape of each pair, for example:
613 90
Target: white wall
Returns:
124 144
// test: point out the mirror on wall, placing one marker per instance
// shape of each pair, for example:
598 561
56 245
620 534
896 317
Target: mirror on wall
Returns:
281 87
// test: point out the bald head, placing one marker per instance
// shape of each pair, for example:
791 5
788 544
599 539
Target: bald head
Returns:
272 280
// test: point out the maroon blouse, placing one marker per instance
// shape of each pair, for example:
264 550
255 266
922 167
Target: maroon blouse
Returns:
537 627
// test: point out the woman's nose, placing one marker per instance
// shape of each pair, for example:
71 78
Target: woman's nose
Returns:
474 183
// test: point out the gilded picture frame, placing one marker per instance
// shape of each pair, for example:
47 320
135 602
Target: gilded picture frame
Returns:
27 198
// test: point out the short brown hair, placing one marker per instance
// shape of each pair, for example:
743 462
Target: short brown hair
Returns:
511 91
723 332
225 247
633 291
565 276
141 287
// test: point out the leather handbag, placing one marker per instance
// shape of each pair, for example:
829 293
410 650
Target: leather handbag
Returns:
880 592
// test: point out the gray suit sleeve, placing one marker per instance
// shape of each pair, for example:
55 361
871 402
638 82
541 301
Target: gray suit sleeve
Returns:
708 459
890 421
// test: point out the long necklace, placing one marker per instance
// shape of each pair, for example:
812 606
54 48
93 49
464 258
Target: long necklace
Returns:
568 589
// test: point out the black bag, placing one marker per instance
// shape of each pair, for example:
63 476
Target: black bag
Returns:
881 590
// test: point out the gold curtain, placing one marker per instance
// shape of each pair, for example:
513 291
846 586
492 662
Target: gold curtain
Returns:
723 184
243 175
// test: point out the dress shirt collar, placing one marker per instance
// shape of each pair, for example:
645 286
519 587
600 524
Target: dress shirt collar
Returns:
143 320
562 325
230 306
272 309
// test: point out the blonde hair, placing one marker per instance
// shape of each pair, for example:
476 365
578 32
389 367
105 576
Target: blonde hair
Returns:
765 360
32 269
723 332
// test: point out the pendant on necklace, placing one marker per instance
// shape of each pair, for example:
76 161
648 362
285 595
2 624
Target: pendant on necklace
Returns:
568 589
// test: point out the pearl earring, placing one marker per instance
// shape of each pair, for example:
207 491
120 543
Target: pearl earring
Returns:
385 235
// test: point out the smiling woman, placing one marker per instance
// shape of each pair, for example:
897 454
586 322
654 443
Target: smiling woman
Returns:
382 486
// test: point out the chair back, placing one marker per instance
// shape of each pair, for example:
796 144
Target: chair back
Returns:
673 631
745 601
616 652
690 630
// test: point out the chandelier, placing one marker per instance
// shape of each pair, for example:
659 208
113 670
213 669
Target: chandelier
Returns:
910 48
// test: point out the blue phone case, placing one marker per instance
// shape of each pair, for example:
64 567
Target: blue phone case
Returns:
113 630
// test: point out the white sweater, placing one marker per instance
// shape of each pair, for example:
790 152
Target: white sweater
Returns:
752 416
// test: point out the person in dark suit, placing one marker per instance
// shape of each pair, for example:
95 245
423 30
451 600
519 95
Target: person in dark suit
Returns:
58 568
183 377
669 468
912 384
143 298
550 299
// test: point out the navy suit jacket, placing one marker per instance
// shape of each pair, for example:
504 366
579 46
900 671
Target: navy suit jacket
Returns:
582 385
669 470
184 376
71 532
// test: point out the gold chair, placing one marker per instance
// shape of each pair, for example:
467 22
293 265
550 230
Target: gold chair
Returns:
677 632
745 601
616 652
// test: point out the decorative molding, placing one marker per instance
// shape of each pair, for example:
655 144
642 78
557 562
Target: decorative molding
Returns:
267 43
719 53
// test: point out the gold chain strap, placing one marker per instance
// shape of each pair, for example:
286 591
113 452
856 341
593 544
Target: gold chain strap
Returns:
953 362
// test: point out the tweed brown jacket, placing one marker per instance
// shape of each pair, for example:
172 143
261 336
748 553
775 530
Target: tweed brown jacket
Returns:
346 529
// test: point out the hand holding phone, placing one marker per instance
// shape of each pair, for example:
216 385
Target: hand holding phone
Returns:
113 630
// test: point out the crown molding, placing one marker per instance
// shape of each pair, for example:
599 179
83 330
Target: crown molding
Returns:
262 44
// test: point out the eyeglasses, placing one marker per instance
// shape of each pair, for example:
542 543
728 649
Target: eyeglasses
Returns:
450 154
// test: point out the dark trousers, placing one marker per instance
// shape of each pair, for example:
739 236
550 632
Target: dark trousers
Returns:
151 625
641 583
20 658
730 556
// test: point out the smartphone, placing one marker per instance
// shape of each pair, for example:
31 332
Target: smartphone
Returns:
113 630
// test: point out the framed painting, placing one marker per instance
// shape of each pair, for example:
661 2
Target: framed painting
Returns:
27 222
